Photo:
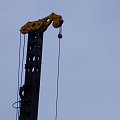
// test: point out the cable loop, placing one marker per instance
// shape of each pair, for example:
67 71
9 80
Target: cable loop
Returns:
14 104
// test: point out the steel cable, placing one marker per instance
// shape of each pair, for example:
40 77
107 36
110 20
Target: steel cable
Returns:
57 82
20 75
23 55
17 111
58 66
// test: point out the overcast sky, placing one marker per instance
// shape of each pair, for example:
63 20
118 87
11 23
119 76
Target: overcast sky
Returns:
89 84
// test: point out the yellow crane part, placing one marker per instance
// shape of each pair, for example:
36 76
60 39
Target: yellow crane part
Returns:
43 24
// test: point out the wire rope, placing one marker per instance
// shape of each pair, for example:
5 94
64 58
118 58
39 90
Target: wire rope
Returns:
20 75
58 73
23 55
57 82
17 111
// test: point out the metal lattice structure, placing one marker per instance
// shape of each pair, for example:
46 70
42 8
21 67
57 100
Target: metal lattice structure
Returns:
29 93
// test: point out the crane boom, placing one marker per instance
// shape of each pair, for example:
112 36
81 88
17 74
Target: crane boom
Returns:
29 92
43 24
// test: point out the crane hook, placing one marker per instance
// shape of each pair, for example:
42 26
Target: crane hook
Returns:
60 32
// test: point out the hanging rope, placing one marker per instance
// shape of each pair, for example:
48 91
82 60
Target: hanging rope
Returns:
23 55
57 94
17 111
20 75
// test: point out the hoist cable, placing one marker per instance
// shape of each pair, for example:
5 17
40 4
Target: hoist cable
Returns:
17 111
58 82
22 61
20 75
58 65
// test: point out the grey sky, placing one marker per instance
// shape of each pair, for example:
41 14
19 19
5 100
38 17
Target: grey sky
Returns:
90 58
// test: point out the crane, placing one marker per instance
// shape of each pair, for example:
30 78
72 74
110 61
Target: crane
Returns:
29 91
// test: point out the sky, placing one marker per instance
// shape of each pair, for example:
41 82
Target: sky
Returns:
89 63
